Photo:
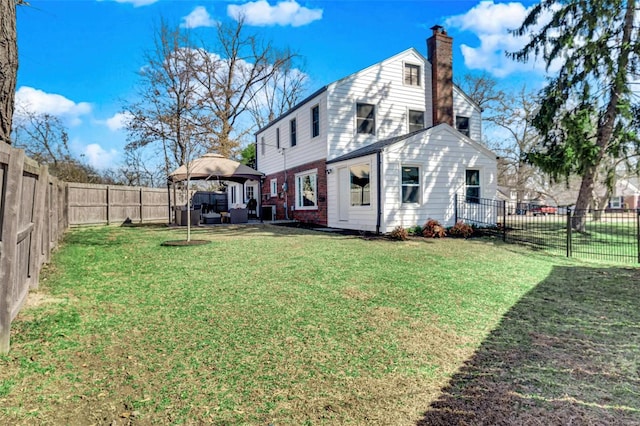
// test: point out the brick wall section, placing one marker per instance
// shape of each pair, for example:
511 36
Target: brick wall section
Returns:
318 216
440 50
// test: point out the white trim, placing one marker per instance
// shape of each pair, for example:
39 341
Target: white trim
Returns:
361 206
297 200
408 122
311 136
375 118
273 185
420 76
420 184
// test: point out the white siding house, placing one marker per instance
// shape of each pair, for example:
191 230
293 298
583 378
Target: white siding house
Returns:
389 145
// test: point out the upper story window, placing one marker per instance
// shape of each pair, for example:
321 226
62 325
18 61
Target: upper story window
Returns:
472 186
462 125
412 75
262 145
410 185
416 120
366 118
315 121
278 137
292 132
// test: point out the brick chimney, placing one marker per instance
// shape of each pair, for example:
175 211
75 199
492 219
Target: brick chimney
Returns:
440 54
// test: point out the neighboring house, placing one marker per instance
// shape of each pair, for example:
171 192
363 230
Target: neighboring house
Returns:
386 146
626 195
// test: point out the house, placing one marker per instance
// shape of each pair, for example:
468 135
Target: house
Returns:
389 145
626 195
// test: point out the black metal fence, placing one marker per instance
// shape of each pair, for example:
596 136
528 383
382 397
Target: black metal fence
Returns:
609 234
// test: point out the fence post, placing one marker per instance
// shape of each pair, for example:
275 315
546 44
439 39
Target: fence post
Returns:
9 247
568 231
504 220
141 206
638 231
108 200
455 208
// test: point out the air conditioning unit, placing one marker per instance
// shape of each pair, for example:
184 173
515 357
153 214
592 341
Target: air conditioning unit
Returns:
268 212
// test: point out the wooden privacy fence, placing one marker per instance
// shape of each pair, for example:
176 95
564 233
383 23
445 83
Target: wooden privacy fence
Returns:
36 209
91 204
32 219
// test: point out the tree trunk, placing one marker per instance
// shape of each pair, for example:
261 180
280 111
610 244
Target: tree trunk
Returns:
8 66
607 123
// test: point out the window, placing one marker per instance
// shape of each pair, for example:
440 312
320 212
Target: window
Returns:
306 194
278 137
234 199
412 75
366 118
315 121
262 145
472 186
410 185
416 120
462 125
616 203
250 192
360 185
292 134
274 187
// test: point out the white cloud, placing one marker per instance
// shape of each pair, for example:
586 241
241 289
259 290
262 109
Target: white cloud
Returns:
492 23
199 17
39 102
98 157
118 121
261 13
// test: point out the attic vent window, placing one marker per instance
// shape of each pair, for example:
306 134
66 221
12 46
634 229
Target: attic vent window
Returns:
411 75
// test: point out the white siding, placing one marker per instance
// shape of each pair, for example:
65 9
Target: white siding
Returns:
463 106
443 156
382 85
362 218
307 149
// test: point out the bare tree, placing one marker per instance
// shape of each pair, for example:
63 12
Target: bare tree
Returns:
511 116
44 138
283 91
234 79
8 65
482 89
168 110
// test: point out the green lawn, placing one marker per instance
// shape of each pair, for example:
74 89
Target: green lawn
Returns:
269 325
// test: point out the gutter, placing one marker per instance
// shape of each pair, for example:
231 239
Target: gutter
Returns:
379 190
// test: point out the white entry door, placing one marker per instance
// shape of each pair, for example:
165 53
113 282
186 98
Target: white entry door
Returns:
344 194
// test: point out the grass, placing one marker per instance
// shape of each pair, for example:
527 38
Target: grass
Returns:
269 325
612 238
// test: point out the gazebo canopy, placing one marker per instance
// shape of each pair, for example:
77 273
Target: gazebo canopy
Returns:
215 166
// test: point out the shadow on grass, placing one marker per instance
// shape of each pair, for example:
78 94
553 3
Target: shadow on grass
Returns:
567 353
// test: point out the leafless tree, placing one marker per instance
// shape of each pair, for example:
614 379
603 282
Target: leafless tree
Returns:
236 78
168 111
283 91
482 89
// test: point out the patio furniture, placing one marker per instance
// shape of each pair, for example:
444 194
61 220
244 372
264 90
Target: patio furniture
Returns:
238 216
211 218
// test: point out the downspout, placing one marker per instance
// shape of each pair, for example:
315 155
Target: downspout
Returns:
379 190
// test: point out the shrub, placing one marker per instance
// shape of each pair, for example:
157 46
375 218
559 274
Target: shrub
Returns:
399 233
433 229
461 230
416 230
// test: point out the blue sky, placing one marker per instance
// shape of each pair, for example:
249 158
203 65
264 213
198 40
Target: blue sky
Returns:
78 58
